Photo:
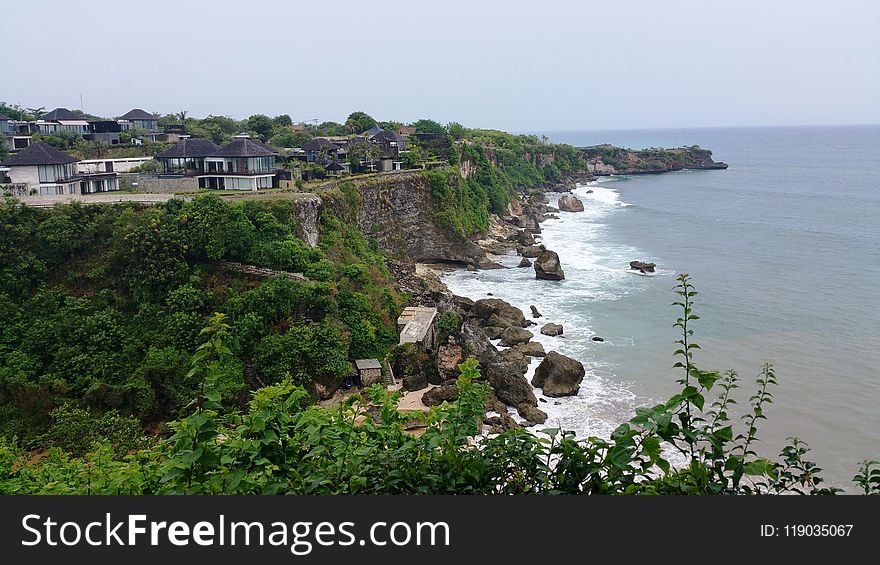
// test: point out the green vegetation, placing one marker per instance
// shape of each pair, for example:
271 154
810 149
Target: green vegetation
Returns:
281 445
100 306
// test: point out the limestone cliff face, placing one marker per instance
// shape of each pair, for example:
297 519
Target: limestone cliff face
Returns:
399 211
307 210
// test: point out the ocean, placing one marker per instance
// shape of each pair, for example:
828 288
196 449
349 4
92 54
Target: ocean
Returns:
784 248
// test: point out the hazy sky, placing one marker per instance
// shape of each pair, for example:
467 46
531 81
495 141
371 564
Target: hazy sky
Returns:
520 66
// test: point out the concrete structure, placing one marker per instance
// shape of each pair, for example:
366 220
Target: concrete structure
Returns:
121 165
45 171
369 371
416 325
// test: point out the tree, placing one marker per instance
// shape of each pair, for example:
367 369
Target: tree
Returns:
428 126
331 128
359 122
262 125
455 130
283 120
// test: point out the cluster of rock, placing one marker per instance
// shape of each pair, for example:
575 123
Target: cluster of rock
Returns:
642 267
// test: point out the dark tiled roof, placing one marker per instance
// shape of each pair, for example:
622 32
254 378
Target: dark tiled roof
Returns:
244 147
387 135
189 147
334 166
318 143
39 153
138 114
60 114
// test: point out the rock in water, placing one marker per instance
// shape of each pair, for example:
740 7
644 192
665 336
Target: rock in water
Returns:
531 251
559 375
597 338
532 414
642 266
569 203
472 268
531 348
551 329
535 313
509 384
547 267
497 312
513 335
525 262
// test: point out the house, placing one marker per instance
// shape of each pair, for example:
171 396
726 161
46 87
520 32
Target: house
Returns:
336 168
186 157
369 371
390 143
241 164
5 126
62 119
297 128
40 169
104 131
373 130
406 131
416 325
320 149
140 119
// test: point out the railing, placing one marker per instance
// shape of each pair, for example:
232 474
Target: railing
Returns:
15 189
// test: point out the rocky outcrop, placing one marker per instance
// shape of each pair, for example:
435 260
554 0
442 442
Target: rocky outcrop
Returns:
535 313
497 312
504 374
531 348
399 212
642 266
547 266
558 375
306 211
513 335
514 355
524 262
610 160
449 357
552 329
569 203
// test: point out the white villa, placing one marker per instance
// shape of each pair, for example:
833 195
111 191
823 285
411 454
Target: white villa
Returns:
42 170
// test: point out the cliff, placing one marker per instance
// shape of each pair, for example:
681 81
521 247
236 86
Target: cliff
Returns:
610 160
400 212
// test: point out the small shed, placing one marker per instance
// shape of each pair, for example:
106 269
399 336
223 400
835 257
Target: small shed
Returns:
369 371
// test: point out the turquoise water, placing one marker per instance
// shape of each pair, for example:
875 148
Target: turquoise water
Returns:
784 247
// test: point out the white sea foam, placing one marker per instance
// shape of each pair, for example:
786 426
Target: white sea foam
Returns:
596 271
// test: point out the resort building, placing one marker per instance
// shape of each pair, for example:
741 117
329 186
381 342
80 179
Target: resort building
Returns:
42 170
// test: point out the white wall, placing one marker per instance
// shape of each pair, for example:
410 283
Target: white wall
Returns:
25 175
119 165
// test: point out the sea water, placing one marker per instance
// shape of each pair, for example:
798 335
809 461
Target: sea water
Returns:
784 247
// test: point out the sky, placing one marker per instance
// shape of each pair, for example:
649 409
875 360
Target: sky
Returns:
549 65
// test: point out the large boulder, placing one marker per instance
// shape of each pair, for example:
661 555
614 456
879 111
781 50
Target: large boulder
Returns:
514 355
569 203
531 251
497 312
514 335
524 262
416 381
547 267
535 313
449 357
524 238
559 375
532 349
532 414
509 384
552 329
440 394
